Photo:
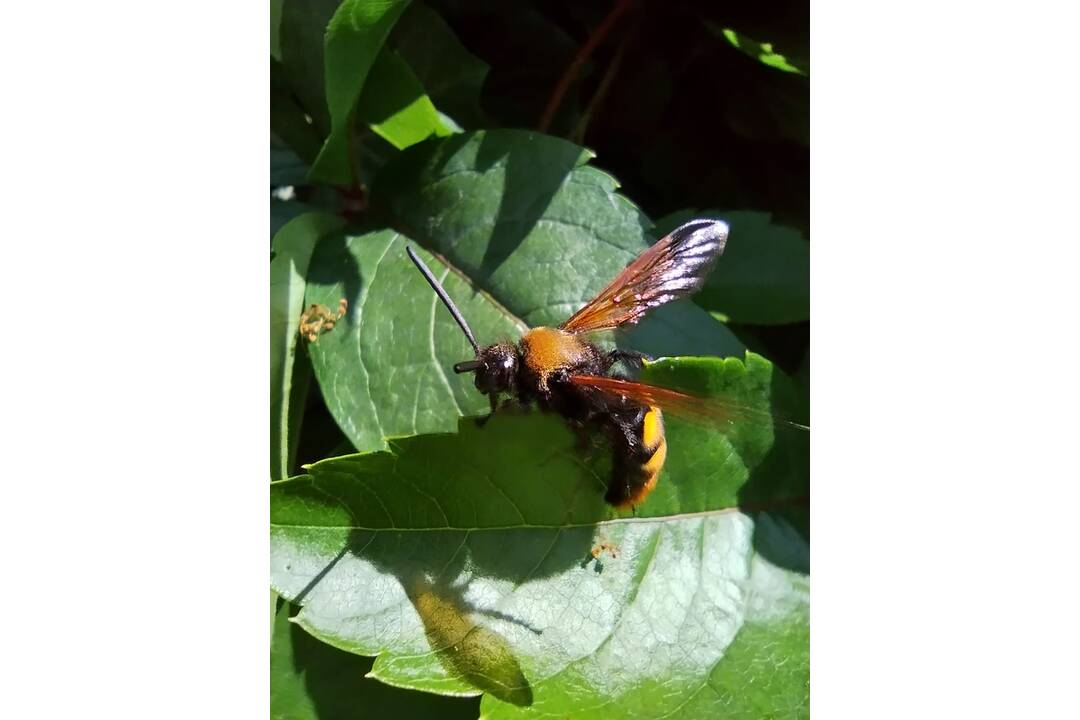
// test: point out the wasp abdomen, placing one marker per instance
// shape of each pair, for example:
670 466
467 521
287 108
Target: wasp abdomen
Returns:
640 452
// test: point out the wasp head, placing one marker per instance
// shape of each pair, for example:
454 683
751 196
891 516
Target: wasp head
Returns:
495 367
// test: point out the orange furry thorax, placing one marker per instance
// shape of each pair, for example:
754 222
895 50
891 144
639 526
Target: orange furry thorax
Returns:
548 349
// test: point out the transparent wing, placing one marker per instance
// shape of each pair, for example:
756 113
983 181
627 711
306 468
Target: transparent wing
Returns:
674 267
713 410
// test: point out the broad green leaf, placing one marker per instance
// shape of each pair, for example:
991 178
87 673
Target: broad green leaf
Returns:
532 224
464 561
310 680
354 37
386 368
451 75
292 248
764 275
762 52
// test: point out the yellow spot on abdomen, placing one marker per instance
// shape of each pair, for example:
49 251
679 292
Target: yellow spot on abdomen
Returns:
652 438
650 472
656 463
652 430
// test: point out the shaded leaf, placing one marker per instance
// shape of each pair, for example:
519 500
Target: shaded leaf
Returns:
764 275
288 120
286 167
292 248
310 680
465 562
303 31
283 211
354 37
450 74
275 28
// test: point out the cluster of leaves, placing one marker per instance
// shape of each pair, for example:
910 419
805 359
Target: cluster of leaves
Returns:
424 566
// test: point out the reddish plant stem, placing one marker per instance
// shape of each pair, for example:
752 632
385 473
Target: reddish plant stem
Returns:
354 199
572 70
601 90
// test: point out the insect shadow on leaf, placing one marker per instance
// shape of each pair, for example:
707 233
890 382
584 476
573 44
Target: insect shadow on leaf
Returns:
468 647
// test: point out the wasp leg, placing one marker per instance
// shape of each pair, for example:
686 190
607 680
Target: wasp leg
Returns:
632 358
482 421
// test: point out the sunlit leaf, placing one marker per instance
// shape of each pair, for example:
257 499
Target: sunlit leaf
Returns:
466 563
761 51
386 368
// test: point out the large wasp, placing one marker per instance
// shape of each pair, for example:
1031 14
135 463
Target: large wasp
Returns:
564 373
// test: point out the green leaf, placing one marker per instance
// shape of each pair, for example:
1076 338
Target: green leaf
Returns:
292 248
284 211
464 561
303 29
310 680
354 37
288 121
763 276
394 105
760 51
385 369
452 76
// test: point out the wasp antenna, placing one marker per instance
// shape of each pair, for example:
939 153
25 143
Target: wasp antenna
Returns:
444 297
467 366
